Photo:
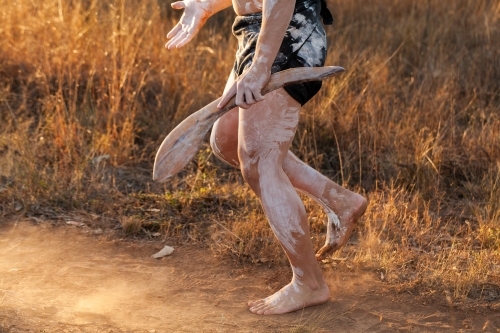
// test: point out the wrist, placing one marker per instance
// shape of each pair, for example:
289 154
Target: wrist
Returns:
262 63
264 56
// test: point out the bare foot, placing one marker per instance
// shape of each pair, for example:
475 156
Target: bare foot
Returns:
339 227
292 297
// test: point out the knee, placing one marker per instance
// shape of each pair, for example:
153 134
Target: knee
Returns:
224 145
250 173
257 169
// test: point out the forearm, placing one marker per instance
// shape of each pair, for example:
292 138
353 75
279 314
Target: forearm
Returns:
276 16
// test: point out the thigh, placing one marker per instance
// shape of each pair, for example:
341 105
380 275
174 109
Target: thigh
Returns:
267 128
224 136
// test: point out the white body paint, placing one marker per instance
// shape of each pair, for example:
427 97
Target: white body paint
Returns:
265 133
270 129
270 5
196 13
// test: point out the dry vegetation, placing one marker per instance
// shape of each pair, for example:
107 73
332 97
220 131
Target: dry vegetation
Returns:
87 93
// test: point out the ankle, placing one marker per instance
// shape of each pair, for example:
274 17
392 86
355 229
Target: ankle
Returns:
313 282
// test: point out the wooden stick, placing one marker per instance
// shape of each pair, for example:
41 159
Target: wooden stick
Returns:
182 144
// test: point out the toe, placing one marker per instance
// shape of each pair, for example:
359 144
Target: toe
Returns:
326 250
256 303
264 310
255 310
321 254
259 308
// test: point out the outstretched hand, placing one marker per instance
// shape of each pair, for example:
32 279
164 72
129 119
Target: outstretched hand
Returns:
248 87
194 17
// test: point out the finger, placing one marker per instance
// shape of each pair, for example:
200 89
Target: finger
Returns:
174 41
186 40
193 27
258 96
178 5
240 100
227 96
249 97
174 31
178 36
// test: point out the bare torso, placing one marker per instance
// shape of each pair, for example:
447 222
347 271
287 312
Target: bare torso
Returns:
245 7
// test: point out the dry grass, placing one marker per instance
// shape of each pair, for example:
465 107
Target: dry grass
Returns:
87 93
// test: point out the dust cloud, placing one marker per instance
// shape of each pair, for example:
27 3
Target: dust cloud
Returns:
63 278
58 279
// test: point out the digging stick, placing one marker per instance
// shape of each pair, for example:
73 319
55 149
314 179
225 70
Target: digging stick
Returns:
182 143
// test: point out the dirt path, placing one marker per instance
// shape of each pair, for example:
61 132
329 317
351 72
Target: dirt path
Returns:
56 279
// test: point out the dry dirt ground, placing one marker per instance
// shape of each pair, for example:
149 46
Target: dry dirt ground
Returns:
64 279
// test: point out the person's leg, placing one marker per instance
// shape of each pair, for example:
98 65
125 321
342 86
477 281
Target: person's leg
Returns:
343 207
224 135
266 130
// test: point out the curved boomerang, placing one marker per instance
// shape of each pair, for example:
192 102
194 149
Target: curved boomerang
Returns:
182 143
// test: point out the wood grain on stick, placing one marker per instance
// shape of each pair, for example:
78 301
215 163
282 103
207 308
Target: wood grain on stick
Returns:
183 142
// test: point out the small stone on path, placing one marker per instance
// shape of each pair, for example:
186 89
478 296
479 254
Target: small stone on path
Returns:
166 251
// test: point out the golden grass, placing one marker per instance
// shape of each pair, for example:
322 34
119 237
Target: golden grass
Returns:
87 93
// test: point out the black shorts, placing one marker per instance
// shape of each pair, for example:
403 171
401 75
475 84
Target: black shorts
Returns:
304 45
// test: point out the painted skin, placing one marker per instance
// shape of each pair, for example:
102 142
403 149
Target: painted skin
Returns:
258 140
343 207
